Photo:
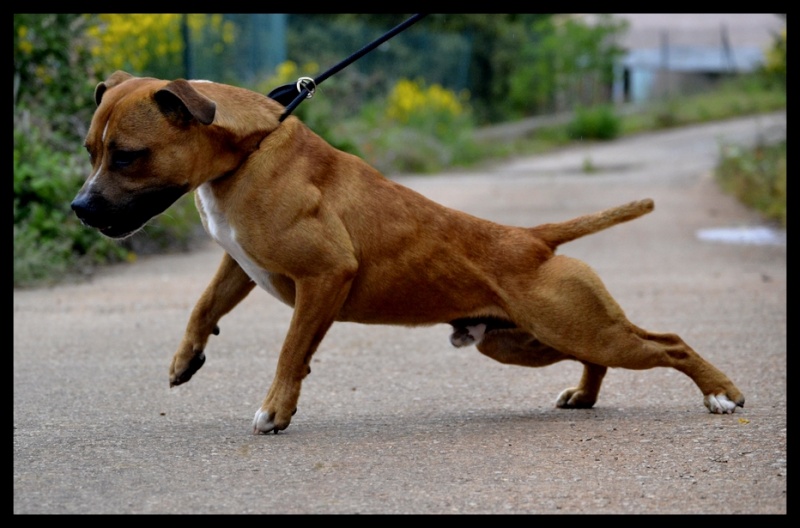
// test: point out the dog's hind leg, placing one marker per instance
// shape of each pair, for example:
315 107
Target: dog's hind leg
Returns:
571 310
228 287
720 395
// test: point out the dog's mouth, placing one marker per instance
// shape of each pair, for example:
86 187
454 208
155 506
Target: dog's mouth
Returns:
118 231
113 230
120 220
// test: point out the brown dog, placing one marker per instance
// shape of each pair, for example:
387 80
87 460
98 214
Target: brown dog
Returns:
330 236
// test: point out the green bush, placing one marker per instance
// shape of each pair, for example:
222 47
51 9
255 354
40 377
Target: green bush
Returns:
561 62
596 122
414 128
756 177
49 241
774 69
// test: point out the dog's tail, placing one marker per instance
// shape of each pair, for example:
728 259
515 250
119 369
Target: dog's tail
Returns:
559 233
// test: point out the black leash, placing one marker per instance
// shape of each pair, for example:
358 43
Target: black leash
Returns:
291 95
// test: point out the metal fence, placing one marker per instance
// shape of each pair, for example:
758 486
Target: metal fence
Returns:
264 41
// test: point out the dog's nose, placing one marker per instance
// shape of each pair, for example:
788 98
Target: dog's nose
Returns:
81 207
91 210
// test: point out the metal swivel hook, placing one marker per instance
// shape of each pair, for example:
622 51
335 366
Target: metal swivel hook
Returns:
307 83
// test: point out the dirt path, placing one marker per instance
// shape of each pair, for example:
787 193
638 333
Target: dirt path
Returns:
395 420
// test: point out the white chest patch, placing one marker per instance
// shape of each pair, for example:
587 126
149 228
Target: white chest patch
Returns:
225 236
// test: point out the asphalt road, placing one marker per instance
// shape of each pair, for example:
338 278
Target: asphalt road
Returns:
395 420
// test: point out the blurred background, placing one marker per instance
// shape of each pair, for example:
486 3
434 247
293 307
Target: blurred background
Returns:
450 91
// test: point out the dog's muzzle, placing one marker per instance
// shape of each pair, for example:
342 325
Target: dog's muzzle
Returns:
122 219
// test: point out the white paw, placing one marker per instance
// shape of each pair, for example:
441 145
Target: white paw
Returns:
573 398
469 335
262 423
458 339
564 397
719 404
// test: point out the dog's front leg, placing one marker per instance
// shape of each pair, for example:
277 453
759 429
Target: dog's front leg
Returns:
228 287
317 302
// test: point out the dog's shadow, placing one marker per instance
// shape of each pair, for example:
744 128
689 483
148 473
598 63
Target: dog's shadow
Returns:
453 426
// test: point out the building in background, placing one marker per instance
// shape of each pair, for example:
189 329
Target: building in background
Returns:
670 53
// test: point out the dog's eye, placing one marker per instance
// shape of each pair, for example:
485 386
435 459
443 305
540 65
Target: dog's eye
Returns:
91 156
123 158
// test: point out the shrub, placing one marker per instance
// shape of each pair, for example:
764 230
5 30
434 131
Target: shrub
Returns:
49 241
774 69
418 128
596 122
152 43
756 177
412 100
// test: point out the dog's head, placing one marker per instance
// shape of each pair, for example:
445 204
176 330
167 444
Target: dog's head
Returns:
151 141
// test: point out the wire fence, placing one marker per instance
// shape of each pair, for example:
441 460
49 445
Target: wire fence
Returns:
265 41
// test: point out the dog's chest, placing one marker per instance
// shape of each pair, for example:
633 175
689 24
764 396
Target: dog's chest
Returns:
222 232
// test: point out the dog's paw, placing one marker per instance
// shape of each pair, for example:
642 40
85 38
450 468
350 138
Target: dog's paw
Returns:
575 398
182 371
722 404
468 335
461 339
264 422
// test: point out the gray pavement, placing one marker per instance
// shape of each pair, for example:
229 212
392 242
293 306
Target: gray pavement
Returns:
395 420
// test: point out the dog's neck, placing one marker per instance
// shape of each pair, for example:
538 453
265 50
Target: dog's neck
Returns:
247 117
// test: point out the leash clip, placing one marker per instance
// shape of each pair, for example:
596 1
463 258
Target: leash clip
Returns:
307 83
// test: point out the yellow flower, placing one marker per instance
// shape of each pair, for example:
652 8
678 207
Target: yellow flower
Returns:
409 98
25 47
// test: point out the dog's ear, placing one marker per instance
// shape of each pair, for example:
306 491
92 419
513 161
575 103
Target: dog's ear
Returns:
114 79
180 99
